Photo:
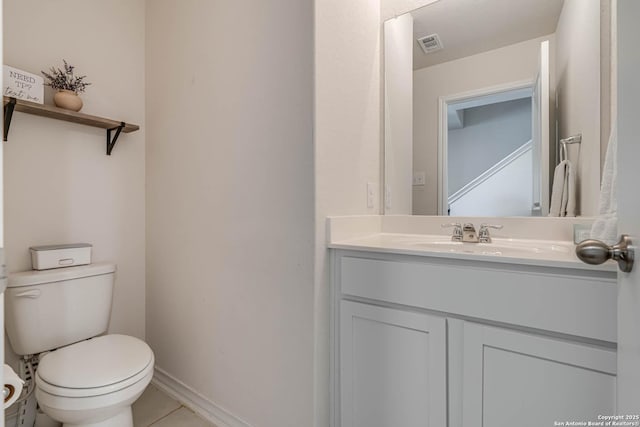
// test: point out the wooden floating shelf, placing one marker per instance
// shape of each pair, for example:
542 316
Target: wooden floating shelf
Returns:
12 104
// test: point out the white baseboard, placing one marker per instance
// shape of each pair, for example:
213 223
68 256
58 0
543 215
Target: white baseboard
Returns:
195 401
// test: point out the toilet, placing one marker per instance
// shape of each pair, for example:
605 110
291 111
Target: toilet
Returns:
83 378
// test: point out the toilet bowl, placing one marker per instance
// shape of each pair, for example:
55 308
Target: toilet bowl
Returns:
94 382
84 378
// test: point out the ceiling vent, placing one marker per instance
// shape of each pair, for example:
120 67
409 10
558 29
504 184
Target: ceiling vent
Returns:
430 43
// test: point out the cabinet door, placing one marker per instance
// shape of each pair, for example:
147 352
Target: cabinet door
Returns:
516 378
392 367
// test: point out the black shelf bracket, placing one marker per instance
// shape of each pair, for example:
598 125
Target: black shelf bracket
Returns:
112 142
8 114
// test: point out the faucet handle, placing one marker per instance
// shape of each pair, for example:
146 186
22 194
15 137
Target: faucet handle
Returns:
456 236
483 234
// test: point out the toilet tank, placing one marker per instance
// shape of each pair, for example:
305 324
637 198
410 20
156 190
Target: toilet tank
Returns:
48 309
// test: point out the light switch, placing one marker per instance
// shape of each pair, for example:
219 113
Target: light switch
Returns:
419 178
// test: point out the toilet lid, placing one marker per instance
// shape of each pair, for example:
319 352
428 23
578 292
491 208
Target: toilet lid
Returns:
94 363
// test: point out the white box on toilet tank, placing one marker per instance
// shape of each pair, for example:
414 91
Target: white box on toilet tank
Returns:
57 256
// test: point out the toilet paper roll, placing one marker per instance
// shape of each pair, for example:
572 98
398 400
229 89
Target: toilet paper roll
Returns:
12 386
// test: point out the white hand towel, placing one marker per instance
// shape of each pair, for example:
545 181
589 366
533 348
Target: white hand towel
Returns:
605 227
570 206
558 189
563 197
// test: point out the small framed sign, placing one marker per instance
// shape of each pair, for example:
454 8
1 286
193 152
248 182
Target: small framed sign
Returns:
22 85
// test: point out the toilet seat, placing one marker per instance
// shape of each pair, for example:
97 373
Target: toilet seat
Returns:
95 367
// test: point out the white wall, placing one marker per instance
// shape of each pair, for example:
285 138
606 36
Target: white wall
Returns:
507 193
392 8
230 195
398 120
234 307
578 91
509 64
59 185
347 142
607 76
490 133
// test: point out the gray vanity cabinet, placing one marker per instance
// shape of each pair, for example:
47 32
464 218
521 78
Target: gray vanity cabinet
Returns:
419 341
514 378
392 367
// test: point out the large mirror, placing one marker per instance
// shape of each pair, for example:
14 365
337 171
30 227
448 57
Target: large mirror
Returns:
496 107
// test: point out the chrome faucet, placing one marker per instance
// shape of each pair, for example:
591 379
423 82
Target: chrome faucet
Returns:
456 236
469 233
483 234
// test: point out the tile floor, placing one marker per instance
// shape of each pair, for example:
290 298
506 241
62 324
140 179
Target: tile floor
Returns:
155 408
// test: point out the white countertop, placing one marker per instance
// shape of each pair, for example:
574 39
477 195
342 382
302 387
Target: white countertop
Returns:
545 253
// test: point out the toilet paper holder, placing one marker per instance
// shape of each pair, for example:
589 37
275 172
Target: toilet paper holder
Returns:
13 386
8 391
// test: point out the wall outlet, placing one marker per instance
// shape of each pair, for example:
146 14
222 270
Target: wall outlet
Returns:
371 195
419 178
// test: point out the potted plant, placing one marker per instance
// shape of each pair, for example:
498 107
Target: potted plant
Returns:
68 86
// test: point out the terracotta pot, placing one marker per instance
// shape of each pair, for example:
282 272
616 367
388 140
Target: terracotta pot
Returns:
68 100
